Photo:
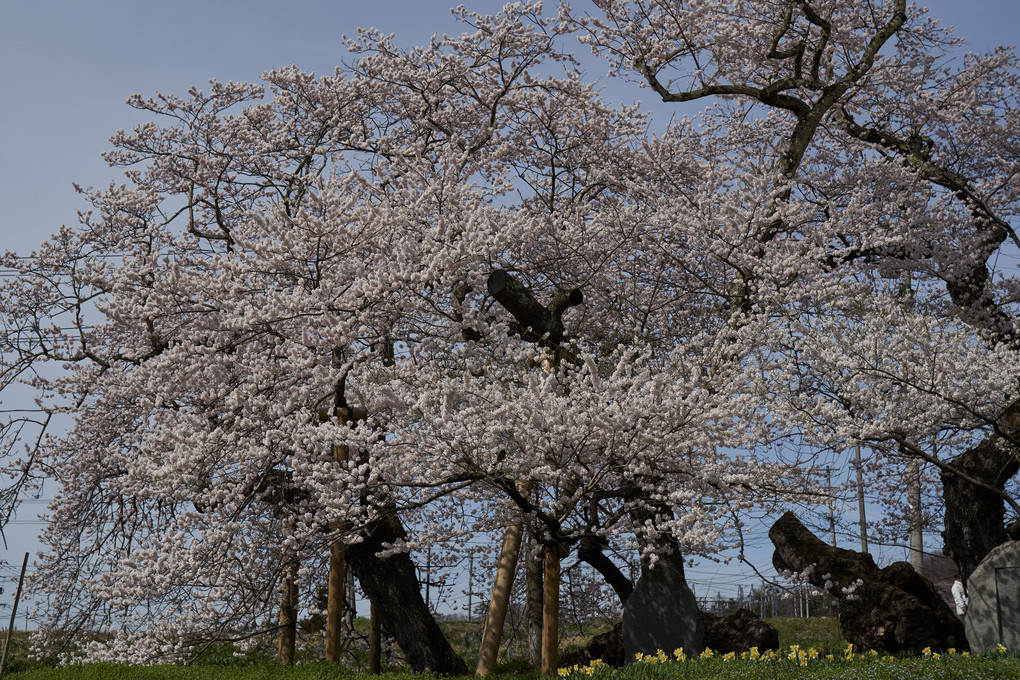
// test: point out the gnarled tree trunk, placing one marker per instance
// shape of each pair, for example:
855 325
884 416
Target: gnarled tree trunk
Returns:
974 523
894 609
391 583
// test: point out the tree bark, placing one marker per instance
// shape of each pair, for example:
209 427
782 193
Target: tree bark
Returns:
538 323
392 586
893 610
591 552
974 522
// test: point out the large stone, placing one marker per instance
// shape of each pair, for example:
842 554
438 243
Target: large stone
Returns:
893 610
662 613
739 632
993 617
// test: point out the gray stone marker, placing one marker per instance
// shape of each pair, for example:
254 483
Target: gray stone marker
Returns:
661 613
993 617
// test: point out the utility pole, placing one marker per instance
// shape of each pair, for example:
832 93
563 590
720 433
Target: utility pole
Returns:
832 504
428 577
471 585
14 614
860 499
915 520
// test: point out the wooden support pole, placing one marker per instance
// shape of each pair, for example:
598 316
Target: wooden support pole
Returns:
492 634
335 599
335 595
374 642
288 616
14 613
551 610
533 598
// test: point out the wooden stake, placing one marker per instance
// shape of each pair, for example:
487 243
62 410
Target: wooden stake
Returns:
551 610
288 617
14 613
374 646
335 595
533 594
492 634
335 599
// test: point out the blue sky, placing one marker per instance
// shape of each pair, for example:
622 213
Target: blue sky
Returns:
66 67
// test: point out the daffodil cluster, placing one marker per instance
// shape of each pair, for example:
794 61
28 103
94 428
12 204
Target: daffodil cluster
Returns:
794 653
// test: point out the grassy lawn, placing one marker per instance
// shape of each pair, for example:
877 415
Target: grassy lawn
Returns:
812 649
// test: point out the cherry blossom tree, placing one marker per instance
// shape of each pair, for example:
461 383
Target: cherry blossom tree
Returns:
909 156
544 308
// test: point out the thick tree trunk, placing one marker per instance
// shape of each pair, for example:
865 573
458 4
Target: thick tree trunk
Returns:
974 522
391 584
894 609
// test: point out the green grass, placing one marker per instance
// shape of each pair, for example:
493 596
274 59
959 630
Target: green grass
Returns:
789 665
821 635
980 667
